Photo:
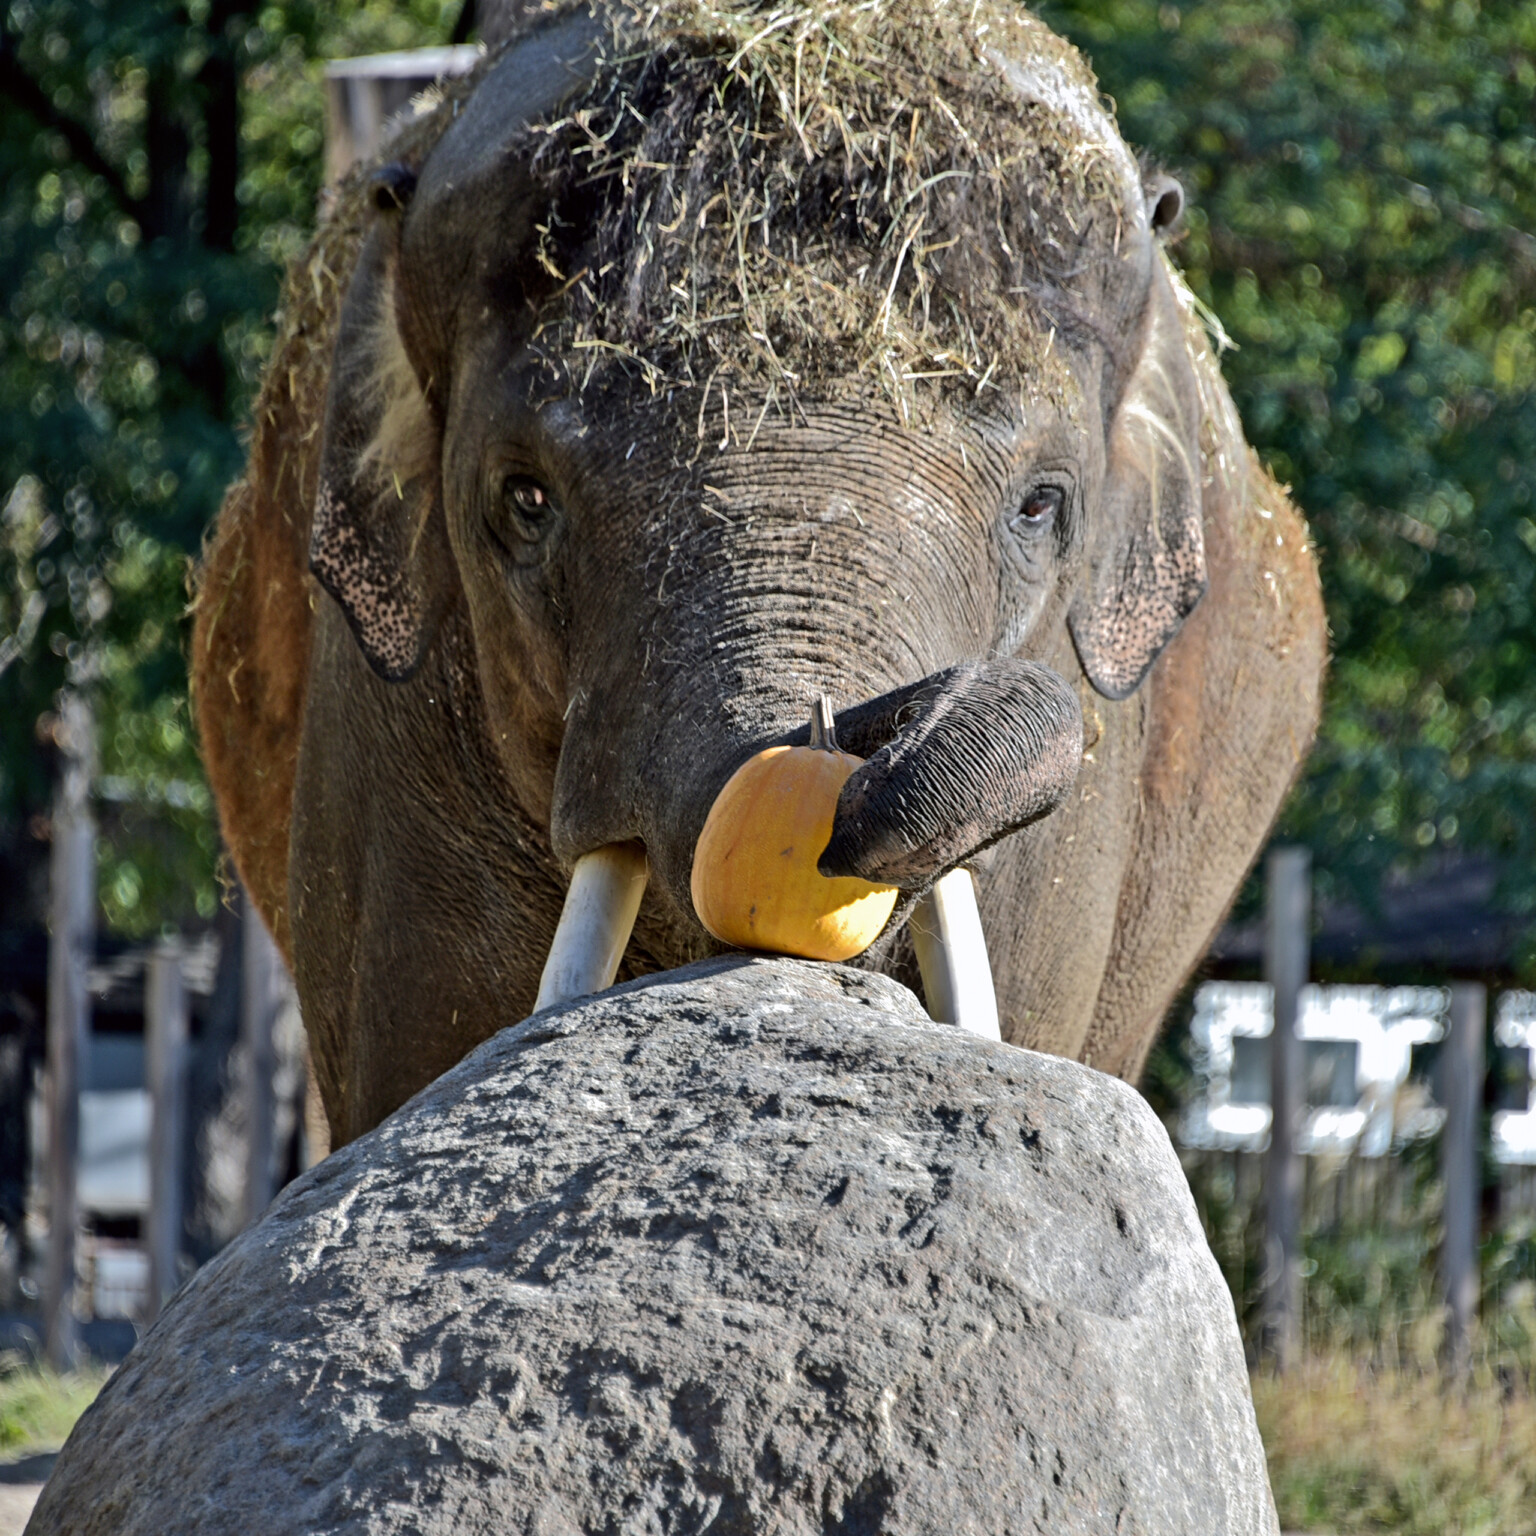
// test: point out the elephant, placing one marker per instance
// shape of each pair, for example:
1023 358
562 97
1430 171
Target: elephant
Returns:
681 365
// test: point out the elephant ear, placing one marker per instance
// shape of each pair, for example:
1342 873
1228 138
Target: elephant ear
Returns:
1147 559
379 544
373 544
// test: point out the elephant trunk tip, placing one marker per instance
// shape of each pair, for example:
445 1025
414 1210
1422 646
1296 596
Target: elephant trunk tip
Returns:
982 751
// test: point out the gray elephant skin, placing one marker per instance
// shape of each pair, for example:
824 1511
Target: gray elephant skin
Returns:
752 1247
683 364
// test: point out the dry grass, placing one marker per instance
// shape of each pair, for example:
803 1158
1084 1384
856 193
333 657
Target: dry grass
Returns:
1357 1448
816 191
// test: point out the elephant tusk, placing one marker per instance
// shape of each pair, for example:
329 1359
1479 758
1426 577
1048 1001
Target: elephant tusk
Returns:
595 923
952 955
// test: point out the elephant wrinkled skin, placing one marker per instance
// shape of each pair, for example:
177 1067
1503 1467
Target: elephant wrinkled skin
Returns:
536 546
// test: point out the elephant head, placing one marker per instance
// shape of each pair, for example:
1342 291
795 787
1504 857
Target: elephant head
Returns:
667 543
683 365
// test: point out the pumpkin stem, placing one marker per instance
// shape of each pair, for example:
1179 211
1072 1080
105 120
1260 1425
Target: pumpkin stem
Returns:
823 732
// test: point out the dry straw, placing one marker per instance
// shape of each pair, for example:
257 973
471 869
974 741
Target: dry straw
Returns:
822 191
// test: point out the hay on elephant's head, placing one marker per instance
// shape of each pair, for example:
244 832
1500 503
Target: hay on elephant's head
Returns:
818 191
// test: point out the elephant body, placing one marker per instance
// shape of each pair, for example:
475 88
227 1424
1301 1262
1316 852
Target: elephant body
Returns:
547 526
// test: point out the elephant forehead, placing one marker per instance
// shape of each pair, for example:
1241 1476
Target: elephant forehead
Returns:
1042 80
891 192
822 461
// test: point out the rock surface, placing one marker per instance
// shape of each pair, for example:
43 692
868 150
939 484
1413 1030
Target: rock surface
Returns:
748 1247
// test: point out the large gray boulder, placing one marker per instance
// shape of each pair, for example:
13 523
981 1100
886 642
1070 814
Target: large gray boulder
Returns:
747 1247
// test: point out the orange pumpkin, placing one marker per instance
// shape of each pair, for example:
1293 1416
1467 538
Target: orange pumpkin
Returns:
755 883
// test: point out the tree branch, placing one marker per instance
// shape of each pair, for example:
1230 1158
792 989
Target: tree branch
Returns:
21 90
220 86
465 23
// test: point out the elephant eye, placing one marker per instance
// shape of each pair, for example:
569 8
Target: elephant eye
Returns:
1039 509
527 506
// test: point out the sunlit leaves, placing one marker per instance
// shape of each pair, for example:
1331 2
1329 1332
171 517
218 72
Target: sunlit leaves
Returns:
1364 180
129 348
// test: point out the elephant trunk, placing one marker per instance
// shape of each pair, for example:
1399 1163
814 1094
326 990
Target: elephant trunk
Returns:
968 756
954 763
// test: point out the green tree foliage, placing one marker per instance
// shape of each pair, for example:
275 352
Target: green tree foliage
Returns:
1363 181
159 165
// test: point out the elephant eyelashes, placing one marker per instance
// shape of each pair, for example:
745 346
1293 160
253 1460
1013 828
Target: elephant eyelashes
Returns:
528 512
1039 510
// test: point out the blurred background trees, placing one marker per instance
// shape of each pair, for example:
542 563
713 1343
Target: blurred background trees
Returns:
159 166
1363 195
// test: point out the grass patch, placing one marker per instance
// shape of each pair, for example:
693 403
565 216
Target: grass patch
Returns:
38 1406
1354 1447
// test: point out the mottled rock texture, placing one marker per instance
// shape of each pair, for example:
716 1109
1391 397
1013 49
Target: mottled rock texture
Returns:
747 1247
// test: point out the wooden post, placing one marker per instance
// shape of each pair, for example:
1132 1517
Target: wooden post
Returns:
1287 957
363 94
263 985
165 1031
1461 1087
71 943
